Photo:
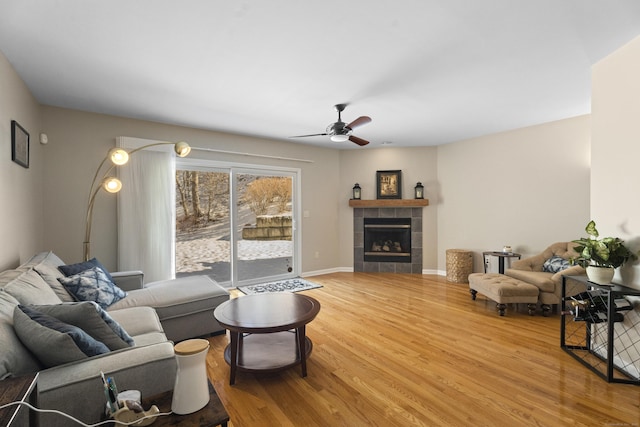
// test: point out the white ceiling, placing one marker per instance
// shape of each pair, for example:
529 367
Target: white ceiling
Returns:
427 72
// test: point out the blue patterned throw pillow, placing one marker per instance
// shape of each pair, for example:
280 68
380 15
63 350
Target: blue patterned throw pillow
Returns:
555 264
93 285
71 269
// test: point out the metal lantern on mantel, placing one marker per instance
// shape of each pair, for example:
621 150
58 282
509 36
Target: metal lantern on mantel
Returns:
419 191
357 192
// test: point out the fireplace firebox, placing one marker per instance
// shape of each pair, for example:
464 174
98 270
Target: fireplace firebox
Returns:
387 240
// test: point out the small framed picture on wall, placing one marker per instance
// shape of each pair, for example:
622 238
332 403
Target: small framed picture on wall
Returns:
19 144
389 184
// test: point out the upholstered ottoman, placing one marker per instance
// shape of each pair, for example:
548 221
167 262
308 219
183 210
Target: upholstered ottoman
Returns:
503 290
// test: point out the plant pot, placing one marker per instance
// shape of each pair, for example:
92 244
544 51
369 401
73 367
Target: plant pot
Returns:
600 275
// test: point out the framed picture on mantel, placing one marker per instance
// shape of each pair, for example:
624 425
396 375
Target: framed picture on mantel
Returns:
389 184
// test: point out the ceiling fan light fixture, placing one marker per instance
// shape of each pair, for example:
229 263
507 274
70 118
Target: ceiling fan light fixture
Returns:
339 138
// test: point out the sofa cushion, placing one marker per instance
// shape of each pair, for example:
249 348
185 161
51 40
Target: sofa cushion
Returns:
46 257
92 319
555 264
196 294
41 333
46 265
72 269
541 279
137 320
93 285
28 287
15 358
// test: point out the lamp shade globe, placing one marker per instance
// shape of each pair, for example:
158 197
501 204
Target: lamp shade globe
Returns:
118 156
112 184
182 149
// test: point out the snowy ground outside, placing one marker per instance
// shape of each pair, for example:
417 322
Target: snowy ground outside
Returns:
191 254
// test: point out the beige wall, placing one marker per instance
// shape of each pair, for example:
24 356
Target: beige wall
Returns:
79 141
615 204
360 165
525 188
21 216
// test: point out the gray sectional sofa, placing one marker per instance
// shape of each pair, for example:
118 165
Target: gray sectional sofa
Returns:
151 315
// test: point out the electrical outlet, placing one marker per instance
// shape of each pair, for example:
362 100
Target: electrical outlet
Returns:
316 255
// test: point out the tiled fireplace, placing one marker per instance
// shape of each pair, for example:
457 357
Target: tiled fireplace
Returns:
387 240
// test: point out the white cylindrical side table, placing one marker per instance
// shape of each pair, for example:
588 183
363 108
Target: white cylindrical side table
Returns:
191 391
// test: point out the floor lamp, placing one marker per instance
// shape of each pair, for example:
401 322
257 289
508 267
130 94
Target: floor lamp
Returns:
116 157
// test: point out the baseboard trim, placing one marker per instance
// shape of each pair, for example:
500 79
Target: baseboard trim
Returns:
350 270
327 271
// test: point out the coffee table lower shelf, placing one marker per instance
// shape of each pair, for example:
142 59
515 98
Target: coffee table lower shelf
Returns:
268 352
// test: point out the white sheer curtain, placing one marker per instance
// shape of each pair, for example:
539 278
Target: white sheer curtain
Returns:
146 212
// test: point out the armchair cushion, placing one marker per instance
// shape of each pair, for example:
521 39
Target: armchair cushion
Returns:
541 279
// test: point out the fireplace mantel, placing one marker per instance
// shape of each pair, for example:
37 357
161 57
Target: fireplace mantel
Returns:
389 203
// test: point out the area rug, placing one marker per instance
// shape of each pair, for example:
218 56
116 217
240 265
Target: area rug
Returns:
289 285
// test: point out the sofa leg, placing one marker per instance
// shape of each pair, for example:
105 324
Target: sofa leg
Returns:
473 294
532 309
546 308
501 308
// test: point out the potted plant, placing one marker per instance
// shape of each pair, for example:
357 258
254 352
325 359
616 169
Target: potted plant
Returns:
600 257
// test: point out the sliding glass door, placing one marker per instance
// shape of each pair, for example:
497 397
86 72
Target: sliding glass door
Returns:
236 224
264 231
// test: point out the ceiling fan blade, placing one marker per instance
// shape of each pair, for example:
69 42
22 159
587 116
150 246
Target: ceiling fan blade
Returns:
361 142
362 120
313 134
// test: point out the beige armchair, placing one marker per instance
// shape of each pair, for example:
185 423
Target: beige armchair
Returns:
532 270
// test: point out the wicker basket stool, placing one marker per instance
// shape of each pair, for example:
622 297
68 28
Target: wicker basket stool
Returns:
459 265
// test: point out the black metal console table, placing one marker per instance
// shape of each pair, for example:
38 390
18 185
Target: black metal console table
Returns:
591 329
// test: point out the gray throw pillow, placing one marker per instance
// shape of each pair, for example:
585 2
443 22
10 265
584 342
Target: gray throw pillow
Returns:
53 342
15 358
93 285
92 319
51 274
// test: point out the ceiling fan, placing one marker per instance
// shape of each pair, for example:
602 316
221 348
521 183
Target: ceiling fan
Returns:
339 131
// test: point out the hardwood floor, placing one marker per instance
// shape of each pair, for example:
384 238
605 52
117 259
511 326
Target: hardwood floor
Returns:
413 350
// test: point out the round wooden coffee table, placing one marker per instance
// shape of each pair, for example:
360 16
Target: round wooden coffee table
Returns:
268 331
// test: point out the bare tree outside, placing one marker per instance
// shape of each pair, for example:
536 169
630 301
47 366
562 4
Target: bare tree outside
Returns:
203 198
